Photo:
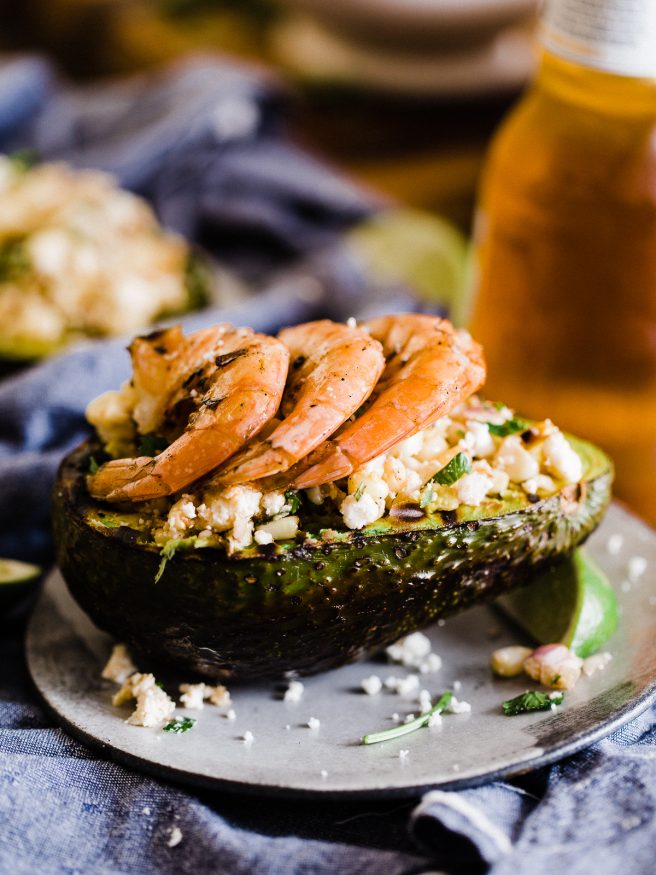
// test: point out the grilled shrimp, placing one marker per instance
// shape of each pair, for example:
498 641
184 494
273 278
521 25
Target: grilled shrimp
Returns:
232 384
334 369
430 369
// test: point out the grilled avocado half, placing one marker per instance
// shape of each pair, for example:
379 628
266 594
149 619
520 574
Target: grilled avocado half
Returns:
326 598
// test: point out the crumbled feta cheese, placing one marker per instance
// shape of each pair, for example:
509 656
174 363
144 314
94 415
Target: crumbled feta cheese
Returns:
372 685
515 460
192 695
248 738
411 650
231 715
636 567
472 488
560 459
294 692
408 718
175 837
153 708
432 663
361 511
273 503
434 720
457 707
596 662
403 754
477 440
614 543
260 537
313 723
425 701
218 695
402 686
119 665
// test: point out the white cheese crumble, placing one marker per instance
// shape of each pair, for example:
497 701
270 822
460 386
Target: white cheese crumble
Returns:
403 754
425 701
175 837
372 685
248 738
615 543
434 720
408 718
119 665
324 773
313 723
153 706
402 686
294 692
231 714
457 707
192 695
596 662
410 651
637 566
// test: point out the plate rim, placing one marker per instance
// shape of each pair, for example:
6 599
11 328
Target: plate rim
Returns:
577 741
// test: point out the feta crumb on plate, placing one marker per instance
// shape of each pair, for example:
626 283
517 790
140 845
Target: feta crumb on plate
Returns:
314 723
175 837
614 543
294 692
372 685
119 665
248 738
455 706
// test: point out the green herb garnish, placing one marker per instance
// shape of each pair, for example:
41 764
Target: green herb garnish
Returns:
151 445
405 728
169 550
293 499
110 523
532 700
24 159
359 492
452 471
512 426
180 724
93 465
427 495
14 261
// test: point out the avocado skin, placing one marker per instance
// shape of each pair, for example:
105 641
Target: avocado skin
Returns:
312 605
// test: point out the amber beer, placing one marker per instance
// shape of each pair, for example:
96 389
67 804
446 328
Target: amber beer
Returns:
565 262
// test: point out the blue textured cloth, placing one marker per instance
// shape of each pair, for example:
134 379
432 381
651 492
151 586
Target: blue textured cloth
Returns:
204 142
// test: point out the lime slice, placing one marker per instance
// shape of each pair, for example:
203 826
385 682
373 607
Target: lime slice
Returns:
411 248
17 579
572 602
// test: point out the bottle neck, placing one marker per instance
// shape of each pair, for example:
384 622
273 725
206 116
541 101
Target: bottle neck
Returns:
594 89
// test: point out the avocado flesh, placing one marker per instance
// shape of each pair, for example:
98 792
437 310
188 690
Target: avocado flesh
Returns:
308 605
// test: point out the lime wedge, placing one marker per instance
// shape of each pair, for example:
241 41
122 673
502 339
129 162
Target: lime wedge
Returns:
572 603
414 249
17 579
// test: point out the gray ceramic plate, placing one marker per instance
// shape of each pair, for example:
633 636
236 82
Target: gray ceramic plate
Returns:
66 653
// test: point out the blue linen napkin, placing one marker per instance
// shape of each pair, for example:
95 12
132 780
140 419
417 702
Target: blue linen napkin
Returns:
204 142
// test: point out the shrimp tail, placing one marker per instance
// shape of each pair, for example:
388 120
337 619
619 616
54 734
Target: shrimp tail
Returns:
127 480
328 463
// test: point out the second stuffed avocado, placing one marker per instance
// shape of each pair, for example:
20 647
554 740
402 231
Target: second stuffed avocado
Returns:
320 600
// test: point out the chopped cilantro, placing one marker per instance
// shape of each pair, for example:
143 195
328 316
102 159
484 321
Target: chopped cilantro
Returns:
532 700
359 492
110 523
14 260
180 724
499 405
169 550
405 728
151 445
452 471
93 465
512 426
293 499
427 495
24 159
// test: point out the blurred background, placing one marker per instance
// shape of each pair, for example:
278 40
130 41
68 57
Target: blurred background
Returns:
404 95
